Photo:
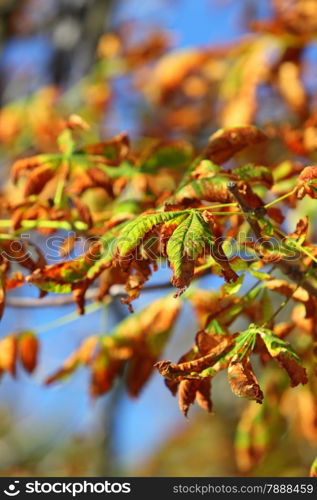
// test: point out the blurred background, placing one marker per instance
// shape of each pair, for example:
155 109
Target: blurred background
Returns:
64 51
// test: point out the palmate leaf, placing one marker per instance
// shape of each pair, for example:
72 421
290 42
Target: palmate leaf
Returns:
188 237
82 168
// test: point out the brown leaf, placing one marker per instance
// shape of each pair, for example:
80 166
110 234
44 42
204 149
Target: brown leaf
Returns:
14 281
225 143
305 184
203 396
187 394
23 165
207 343
191 390
103 374
308 325
68 245
37 179
8 354
112 151
28 347
100 179
169 370
296 372
242 380
301 228
139 372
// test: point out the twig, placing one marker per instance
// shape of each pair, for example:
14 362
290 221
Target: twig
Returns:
292 271
115 291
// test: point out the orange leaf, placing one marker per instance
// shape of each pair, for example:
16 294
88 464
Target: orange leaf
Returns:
225 143
8 354
28 347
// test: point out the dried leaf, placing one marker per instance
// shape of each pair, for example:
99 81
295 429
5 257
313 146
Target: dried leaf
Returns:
37 179
225 143
242 380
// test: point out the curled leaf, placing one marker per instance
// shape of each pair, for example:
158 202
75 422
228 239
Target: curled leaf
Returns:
243 381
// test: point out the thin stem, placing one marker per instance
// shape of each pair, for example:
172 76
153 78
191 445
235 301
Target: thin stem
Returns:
68 318
228 213
58 198
219 205
296 245
52 224
286 195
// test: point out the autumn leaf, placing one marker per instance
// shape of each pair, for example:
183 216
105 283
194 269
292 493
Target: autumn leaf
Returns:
37 179
225 143
284 355
255 174
8 354
188 242
28 347
307 182
190 391
242 380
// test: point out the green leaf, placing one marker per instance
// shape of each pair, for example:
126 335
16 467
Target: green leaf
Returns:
283 353
215 327
255 174
170 155
260 276
187 243
136 230
233 287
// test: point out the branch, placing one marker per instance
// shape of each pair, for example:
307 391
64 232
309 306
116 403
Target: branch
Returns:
115 291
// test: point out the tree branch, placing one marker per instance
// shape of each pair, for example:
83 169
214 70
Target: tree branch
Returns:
115 291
